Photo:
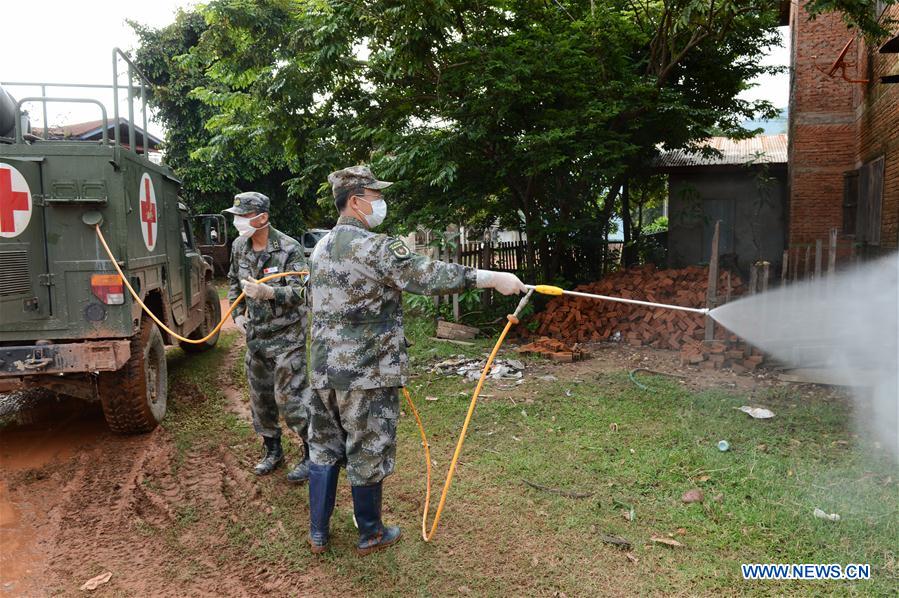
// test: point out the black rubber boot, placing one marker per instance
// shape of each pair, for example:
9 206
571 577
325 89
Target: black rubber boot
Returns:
373 534
322 494
274 456
300 473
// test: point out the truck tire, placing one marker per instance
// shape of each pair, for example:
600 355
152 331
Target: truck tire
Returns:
212 314
134 398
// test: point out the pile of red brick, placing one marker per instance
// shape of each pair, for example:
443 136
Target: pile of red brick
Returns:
728 352
554 349
580 319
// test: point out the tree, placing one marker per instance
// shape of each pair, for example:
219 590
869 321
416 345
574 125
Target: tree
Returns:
572 101
533 111
212 167
484 110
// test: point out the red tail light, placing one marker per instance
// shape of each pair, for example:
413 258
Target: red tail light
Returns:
108 288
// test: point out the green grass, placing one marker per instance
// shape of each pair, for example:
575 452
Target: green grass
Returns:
500 537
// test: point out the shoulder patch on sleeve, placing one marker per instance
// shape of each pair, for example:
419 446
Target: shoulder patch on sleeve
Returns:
399 249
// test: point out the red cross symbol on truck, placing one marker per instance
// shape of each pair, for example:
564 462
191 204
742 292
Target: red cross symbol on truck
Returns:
148 212
11 201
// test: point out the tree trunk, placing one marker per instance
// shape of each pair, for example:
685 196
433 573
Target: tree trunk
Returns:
608 208
627 254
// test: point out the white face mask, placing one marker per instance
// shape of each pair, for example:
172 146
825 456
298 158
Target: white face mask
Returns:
243 226
378 212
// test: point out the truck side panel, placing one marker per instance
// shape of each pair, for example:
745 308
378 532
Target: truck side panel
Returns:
25 297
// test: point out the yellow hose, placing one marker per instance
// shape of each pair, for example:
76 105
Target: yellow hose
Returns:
159 323
425 534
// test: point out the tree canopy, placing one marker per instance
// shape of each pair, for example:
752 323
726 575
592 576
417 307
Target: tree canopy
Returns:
534 112
213 166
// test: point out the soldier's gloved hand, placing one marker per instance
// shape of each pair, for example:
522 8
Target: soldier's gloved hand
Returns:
240 322
504 282
257 290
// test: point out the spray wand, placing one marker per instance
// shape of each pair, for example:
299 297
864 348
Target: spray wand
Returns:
545 289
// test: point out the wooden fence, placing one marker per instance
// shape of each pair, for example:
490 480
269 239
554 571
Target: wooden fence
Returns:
806 261
515 256
576 265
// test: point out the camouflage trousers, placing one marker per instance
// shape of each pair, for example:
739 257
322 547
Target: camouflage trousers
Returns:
279 385
356 428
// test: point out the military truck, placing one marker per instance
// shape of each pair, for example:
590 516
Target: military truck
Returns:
66 321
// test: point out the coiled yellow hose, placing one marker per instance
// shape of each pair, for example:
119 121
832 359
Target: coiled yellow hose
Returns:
426 534
159 322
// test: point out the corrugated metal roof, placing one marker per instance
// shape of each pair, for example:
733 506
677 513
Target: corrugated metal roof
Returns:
761 149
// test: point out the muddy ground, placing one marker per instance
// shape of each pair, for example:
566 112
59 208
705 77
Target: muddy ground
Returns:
77 501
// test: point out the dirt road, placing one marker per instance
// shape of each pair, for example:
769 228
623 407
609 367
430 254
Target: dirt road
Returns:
77 501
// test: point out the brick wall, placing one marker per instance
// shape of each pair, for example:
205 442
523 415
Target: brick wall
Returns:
878 130
836 126
822 127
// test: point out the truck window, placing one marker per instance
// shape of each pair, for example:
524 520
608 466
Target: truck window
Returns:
187 236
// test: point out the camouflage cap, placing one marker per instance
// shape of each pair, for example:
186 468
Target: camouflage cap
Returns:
248 203
352 177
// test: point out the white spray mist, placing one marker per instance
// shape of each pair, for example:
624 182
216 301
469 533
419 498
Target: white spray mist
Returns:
848 323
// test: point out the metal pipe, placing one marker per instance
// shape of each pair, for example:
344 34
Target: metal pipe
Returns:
143 107
115 92
523 303
30 84
62 100
132 69
695 310
131 110
46 124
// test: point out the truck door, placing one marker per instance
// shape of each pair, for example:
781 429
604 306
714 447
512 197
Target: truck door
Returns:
25 283
194 264
211 236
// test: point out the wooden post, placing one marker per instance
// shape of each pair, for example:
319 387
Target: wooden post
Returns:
785 268
753 278
796 264
486 264
712 292
728 289
808 262
458 260
447 257
832 253
763 274
818 255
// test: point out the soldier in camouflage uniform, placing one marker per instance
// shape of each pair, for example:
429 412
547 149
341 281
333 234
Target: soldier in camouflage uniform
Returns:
274 318
359 352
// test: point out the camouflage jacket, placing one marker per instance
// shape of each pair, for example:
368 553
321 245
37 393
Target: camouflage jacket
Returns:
356 282
278 324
